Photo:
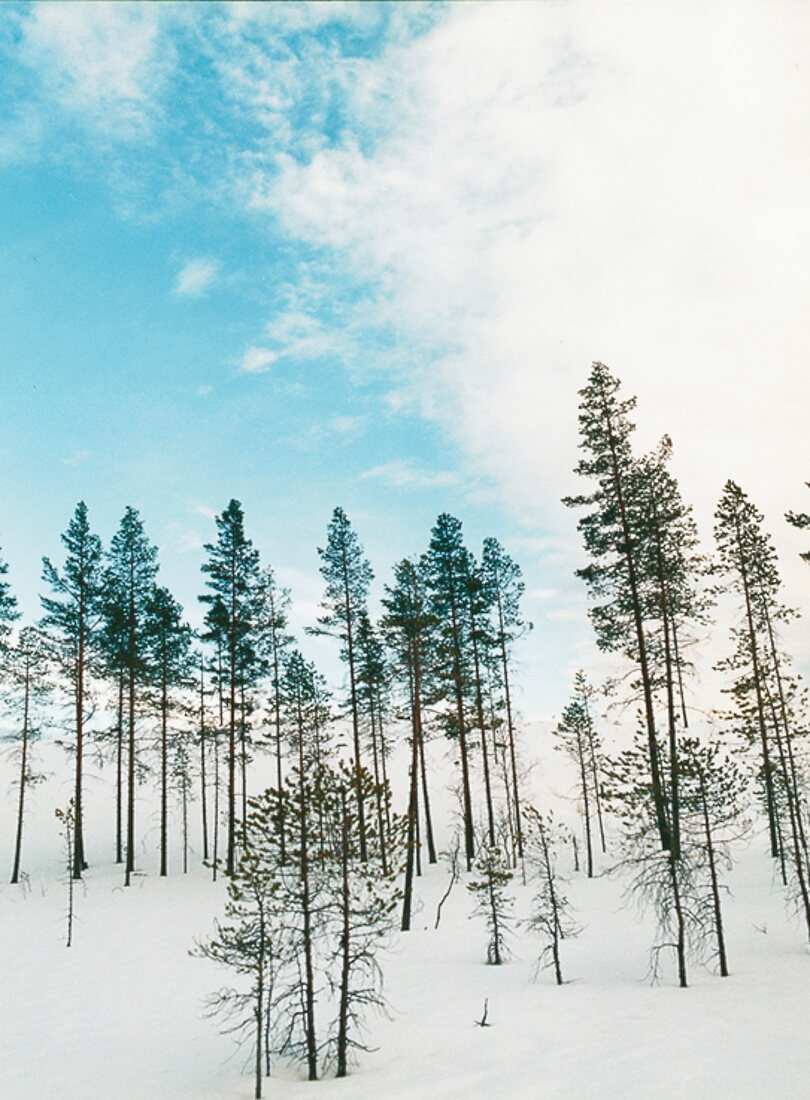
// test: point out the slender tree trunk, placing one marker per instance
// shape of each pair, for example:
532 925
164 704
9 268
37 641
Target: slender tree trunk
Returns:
277 722
230 865
220 727
345 945
119 773
675 801
378 793
164 765
679 918
595 777
413 810
260 1013
79 863
306 907
203 785
510 727
718 915
479 706
243 751
586 802
361 819
548 869
132 653
679 668
15 874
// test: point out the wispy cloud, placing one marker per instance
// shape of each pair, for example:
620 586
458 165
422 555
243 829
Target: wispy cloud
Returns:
77 459
347 425
520 223
196 277
404 475
99 60
257 360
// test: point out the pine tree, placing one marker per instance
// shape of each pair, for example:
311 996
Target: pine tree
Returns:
762 689
714 793
580 741
72 615
615 573
130 578
347 575
243 943
232 570
271 613
373 682
494 903
407 630
551 912
656 877
168 640
28 686
504 585
446 573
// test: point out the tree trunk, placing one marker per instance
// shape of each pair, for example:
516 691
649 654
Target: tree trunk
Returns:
718 916
361 819
343 1009
15 874
203 787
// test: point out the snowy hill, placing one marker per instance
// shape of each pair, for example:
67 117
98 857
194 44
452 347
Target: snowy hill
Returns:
121 1013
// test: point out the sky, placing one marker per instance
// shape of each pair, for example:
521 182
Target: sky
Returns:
364 255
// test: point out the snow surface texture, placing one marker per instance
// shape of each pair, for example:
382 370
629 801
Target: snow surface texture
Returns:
121 1013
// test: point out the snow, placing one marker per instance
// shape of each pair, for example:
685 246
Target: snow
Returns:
121 1013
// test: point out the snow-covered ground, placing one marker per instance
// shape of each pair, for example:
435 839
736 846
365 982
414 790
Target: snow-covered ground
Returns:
120 1015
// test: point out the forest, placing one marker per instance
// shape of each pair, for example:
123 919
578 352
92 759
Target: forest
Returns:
328 823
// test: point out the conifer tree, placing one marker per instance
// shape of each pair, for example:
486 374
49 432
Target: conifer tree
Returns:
657 878
272 609
493 902
130 579
446 573
504 584
551 911
72 615
714 796
747 560
373 681
28 687
347 575
407 630
243 943
232 570
580 741
615 574
168 640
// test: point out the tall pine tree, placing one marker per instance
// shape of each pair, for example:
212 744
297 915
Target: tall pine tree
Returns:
72 616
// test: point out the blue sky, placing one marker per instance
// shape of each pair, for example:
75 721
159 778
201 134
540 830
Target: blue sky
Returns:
309 255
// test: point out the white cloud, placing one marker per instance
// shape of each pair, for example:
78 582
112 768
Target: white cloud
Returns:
196 277
347 425
77 459
629 186
299 335
99 59
257 360
404 475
